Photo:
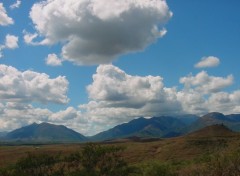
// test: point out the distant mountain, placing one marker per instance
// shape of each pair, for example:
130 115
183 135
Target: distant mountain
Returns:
234 117
141 128
164 126
45 132
231 121
187 118
3 134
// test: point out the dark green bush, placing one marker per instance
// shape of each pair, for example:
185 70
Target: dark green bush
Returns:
38 165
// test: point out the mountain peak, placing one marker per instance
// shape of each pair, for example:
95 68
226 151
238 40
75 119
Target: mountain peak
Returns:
215 115
45 132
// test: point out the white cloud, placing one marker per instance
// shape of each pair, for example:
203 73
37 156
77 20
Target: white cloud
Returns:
15 115
193 102
11 41
28 38
206 84
67 115
95 32
228 103
210 61
16 5
53 60
4 18
30 86
115 88
116 97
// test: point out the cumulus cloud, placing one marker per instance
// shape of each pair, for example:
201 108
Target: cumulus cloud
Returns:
210 61
115 88
30 86
16 5
11 42
53 60
206 84
28 38
117 97
95 32
17 114
4 18
68 114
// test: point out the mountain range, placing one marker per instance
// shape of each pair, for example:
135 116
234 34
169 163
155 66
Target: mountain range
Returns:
155 127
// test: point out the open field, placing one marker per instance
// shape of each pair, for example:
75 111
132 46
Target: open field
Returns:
183 153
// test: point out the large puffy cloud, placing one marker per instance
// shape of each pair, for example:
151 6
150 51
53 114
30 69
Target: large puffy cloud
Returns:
117 97
225 102
94 31
68 114
17 114
4 18
210 61
115 88
204 83
30 86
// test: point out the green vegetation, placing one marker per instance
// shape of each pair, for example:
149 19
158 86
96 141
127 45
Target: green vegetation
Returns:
107 160
213 151
92 160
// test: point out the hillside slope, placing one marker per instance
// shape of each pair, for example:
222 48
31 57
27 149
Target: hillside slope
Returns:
164 126
45 132
231 121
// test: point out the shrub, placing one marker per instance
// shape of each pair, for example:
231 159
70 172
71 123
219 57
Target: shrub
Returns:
157 169
38 165
100 160
92 160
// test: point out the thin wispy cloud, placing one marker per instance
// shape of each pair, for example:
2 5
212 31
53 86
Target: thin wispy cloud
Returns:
16 5
210 61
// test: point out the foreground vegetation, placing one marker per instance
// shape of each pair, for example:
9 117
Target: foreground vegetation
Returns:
107 160
214 151
92 160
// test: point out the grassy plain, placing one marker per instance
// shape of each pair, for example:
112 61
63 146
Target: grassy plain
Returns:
184 154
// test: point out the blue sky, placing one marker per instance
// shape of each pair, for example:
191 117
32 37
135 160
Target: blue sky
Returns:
93 64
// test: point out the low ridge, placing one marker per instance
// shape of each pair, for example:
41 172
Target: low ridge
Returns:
218 130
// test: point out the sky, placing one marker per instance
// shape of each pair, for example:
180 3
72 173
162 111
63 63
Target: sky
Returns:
94 64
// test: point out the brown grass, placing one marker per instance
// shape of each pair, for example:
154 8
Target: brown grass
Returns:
187 148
